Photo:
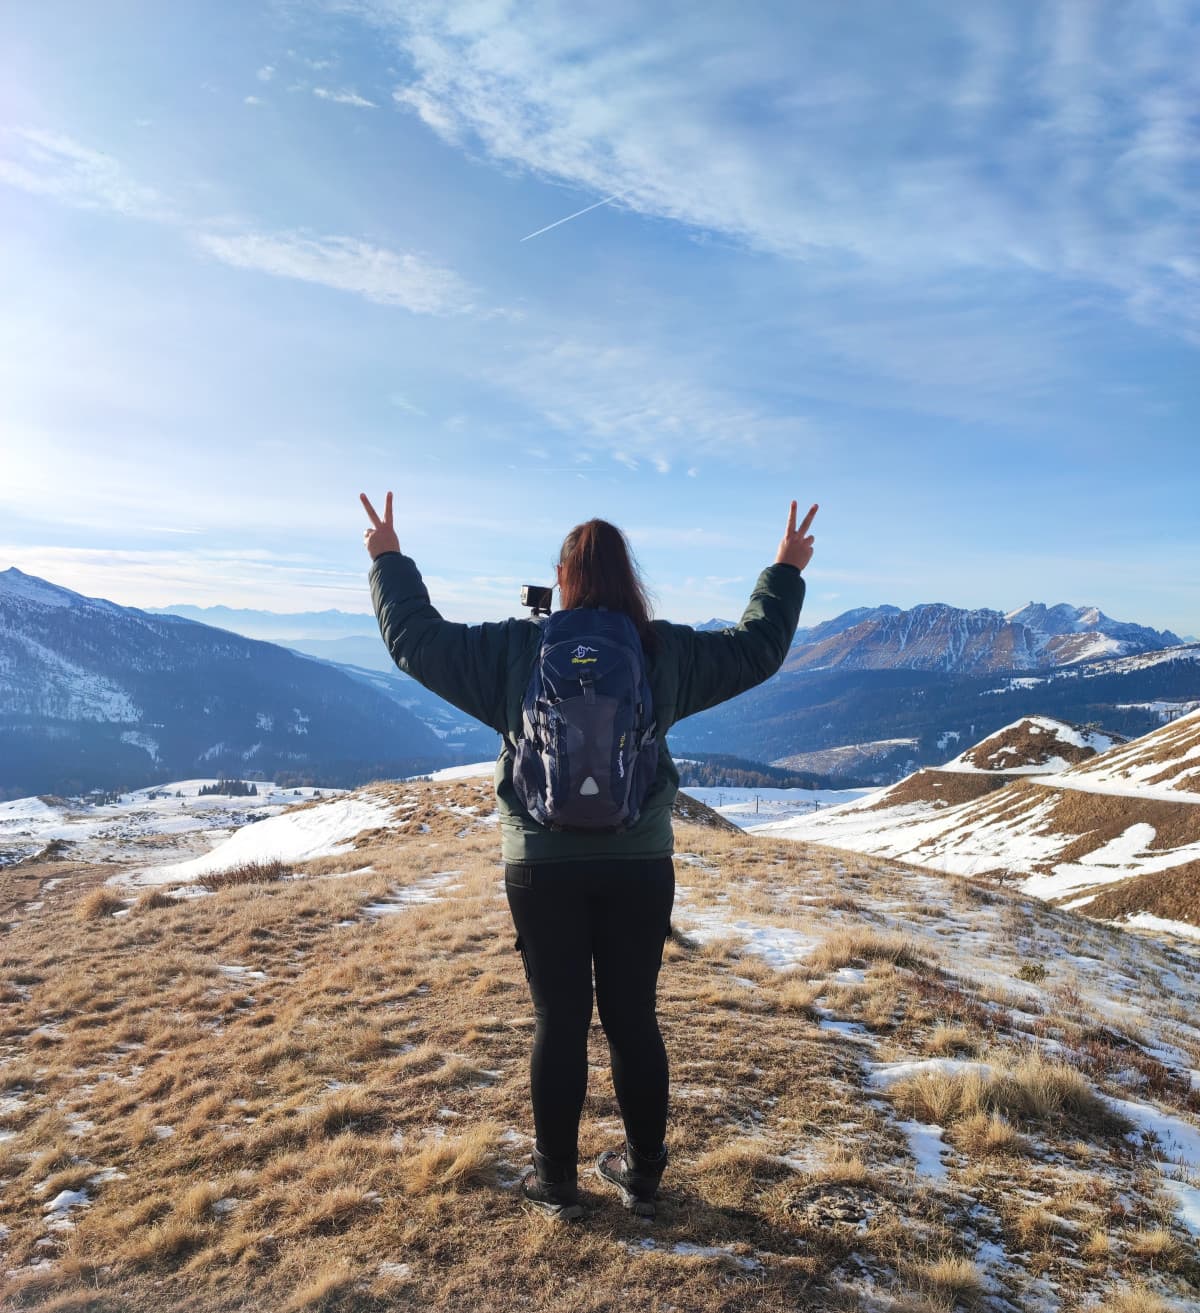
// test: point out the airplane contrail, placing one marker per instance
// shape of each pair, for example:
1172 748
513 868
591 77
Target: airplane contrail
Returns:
615 196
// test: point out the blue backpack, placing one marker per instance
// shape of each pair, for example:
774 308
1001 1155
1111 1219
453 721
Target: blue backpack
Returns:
588 751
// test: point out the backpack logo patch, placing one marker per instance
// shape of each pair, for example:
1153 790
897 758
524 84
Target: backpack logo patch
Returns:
580 656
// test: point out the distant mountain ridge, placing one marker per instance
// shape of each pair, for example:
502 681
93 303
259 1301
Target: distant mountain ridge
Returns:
96 695
935 636
277 626
931 636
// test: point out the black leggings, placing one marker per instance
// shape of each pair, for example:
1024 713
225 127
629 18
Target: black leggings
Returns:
617 915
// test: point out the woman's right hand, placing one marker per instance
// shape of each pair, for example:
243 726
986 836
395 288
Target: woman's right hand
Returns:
380 537
796 545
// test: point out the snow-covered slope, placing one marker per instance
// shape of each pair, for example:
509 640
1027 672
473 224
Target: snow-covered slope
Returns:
1033 745
1167 762
95 695
1127 814
172 817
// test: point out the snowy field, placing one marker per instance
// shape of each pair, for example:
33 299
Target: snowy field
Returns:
752 808
100 832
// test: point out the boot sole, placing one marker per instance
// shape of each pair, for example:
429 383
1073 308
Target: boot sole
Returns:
559 1212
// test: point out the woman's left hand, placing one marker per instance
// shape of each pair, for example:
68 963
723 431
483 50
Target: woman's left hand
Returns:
381 537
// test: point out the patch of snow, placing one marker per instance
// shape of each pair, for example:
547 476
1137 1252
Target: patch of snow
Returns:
1187 1204
428 890
1115 788
295 836
60 1206
477 771
1165 711
1021 681
687 1249
1177 1140
776 945
854 1031
1147 921
886 1074
927 1147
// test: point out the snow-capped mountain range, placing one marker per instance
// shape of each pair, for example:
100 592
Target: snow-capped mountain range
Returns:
940 637
95 695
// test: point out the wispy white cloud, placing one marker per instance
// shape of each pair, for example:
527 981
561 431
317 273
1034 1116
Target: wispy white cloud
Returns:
642 404
1058 139
317 65
252 100
199 575
344 98
395 278
52 164
401 402
266 73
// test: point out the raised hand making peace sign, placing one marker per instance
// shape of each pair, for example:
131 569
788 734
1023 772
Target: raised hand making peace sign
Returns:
381 537
796 545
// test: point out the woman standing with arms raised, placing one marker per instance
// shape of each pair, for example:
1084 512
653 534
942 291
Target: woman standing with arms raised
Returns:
586 900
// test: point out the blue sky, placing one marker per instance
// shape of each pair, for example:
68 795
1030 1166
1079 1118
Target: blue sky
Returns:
935 266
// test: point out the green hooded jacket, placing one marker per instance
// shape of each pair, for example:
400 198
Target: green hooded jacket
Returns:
484 669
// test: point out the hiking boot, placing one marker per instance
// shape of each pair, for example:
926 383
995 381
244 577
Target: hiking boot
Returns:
552 1188
635 1175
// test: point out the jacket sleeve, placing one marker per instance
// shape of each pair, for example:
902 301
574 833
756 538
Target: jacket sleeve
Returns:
465 664
718 665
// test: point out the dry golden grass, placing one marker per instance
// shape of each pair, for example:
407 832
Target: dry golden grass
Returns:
325 1290
982 1133
796 994
1097 1248
244 873
1156 1246
951 1041
454 1162
1136 1299
98 904
1033 1225
336 1119
843 1167
1033 1089
1171 894
151 900
857 947
955 1279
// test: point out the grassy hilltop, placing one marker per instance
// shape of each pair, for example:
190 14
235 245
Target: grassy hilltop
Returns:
893 1090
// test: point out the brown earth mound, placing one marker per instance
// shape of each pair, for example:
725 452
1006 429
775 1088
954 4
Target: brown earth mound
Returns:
1173 894
1024 744
694 812
945 788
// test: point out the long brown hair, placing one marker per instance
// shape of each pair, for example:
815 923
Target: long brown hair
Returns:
597 568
